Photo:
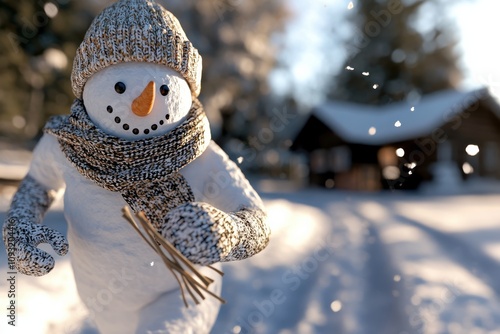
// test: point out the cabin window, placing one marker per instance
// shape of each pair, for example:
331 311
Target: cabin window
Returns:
340 159
319 161
490 157
387 156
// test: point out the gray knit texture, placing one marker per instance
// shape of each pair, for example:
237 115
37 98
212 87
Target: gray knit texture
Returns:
144 171
136 31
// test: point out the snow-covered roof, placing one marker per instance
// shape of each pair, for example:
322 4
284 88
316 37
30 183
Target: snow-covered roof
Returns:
378 125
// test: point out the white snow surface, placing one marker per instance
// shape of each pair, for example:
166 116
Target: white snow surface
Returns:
338 262
377 125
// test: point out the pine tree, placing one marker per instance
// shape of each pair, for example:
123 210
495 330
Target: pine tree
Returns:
391 58
233 37
38 40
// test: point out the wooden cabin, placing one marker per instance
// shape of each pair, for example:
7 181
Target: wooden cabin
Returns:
401 144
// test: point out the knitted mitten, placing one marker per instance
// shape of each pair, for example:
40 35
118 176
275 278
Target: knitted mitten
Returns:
206 235
22 231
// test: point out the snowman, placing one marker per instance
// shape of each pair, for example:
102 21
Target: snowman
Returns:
136 136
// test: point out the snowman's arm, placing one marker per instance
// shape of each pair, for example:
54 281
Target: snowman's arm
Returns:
38 189
22 230
227 222
30 201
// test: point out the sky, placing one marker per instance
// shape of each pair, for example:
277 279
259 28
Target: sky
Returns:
312 50
479 25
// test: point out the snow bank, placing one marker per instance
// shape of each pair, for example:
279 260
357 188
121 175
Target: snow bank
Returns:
337 263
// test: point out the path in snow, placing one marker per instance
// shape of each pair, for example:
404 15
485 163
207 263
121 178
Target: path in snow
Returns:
443 248
401 263
337 263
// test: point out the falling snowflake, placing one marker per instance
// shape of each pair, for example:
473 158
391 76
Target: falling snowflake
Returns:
366 74
50 10
397 278
467 168
397 124
336 305
411 165
349 68
375 86
472 150
372 131
152 263
239 160
350 5
412 109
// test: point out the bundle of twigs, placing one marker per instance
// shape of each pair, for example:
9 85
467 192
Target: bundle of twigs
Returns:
186 274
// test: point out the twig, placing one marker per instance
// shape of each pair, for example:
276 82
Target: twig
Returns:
128 216
171 249
154 235
216 270
178 264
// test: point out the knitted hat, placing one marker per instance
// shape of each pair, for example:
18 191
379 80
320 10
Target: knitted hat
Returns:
136 30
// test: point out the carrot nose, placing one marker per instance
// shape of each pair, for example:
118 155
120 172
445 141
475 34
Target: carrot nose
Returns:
143 104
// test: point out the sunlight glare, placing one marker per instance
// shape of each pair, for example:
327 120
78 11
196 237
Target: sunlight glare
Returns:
472 150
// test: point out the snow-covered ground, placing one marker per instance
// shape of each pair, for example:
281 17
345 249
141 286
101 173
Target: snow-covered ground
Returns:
338 262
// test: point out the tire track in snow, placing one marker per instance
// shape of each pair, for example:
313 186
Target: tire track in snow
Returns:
385 298
360 313
470 257
308 285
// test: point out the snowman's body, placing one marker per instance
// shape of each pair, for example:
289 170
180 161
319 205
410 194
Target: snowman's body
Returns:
136 136
112 264
121 280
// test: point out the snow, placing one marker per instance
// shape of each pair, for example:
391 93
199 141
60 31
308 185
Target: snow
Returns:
338 262
395 121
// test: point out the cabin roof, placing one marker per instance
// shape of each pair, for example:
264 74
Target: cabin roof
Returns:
378 125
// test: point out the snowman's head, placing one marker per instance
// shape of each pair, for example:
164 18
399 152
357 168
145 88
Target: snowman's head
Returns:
137 100
136 71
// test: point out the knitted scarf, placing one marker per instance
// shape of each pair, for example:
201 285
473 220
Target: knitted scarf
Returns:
146 171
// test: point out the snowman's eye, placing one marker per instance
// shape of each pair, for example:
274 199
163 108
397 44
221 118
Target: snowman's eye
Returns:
120 87
164 90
